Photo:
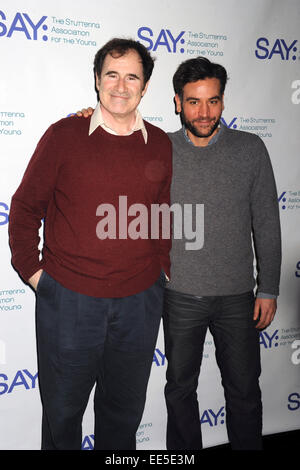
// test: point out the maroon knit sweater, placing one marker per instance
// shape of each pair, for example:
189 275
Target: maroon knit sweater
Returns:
69 175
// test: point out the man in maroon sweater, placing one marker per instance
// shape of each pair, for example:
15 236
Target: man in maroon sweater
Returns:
100 280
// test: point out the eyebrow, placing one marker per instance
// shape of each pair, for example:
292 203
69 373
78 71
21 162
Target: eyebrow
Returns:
191 98
129 74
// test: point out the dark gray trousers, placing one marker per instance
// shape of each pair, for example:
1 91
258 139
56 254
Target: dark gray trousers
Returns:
230 321
83 341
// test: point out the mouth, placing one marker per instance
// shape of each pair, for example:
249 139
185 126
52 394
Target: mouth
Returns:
120 97
204 122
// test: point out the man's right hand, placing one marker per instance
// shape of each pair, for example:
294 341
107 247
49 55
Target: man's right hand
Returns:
34 280
85 112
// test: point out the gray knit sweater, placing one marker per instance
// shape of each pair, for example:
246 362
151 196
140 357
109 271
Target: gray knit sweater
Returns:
233 179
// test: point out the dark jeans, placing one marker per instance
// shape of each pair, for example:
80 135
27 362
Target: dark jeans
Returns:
230 321
85 340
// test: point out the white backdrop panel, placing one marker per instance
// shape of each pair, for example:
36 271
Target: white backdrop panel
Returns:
47 51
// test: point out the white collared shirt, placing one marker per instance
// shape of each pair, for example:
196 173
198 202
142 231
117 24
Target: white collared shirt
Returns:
97 120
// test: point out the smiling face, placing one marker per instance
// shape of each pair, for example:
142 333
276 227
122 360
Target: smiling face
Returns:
201 109
121 86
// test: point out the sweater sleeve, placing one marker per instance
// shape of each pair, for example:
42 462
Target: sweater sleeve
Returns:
266 224
29 206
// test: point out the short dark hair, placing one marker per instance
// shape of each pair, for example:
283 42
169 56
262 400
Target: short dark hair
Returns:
117 47
196 69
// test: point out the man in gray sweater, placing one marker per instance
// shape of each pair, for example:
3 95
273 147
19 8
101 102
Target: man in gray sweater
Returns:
230 173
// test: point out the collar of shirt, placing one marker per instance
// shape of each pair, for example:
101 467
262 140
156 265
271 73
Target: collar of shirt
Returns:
97 120
212 141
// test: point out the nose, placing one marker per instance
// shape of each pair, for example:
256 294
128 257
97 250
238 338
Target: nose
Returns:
203 110
121 85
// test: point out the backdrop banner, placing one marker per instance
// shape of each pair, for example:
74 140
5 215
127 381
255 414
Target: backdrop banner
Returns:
47 52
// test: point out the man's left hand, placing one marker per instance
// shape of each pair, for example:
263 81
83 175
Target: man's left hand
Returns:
264 310
85 112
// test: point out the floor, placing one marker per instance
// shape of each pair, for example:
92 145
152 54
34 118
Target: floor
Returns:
286 441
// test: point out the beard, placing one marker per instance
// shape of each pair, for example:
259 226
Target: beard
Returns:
198 132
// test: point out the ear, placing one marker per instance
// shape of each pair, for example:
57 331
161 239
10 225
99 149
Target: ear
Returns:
97 82
178 103
223 105
145 88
